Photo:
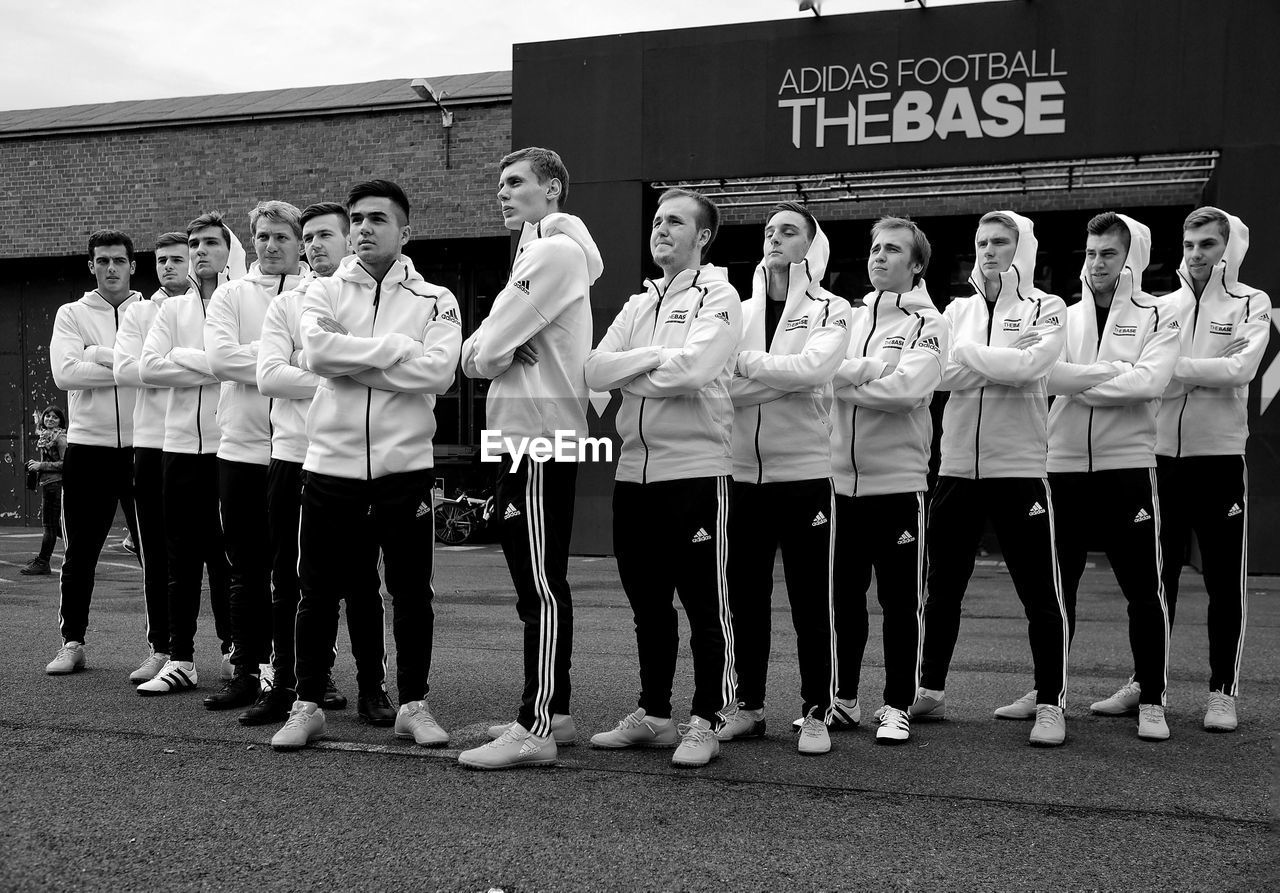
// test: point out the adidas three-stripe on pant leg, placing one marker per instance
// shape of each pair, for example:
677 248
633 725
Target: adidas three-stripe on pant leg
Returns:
535 516
672 536
1209 495
798 517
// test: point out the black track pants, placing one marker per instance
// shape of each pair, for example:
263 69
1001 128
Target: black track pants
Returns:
886 534
672 537
242 500
534 513
193 535
344 524
95 479
1022 512
148 495
799 518
365 623
1118 511
1209 496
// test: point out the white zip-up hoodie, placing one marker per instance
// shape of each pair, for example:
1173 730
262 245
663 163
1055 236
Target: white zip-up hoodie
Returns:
149 407
283 376
1205 409
671 351
994 424
883 433
173 357
232 332
782 391
1105 416
82 356
374 412
546 301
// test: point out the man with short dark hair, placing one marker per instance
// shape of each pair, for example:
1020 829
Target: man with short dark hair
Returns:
671 351
1120 350
173 356
97 469
232 334
532 347
1201 431
283 376
386 342
794 335
148 447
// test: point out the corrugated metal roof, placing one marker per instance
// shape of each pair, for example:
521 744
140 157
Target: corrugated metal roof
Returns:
461 89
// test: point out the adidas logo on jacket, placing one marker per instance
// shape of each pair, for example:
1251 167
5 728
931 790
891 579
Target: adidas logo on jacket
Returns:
782 391
994 424
883 431
1205 408
1098 425
82 359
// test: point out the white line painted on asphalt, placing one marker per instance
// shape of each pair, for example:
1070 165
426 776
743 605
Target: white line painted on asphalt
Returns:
21 536
458 548
132 567
394 750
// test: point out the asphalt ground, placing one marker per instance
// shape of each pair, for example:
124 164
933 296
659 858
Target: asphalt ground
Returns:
103 790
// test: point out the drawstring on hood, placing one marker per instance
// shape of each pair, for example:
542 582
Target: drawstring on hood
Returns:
574 228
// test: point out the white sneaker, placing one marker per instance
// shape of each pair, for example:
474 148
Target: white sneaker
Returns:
563 729
1221 715
929 703
814 737
227 669
415 721
513 748
149 669
1050 729
638 730
740 723
1023 708
70 659
1151 724
304 725
846 713
895 725
175 675
1122 703
698 743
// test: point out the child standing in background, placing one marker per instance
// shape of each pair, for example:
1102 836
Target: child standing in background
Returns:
52 444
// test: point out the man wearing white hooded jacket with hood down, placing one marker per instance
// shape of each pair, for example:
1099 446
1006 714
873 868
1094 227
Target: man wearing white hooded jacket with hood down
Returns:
1120 350
1201 431
1006 337
533 346
794 334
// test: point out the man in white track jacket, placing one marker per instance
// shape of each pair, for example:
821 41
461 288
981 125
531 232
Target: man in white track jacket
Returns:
232 335
1201 431
173 357
97 470
148 447
880 447
1005 338
794 337
1120 350
385 342
532 347
671 351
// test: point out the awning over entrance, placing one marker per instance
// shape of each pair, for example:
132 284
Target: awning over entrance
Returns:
1191 170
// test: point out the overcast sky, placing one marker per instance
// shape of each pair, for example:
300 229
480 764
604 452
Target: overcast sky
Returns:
66 52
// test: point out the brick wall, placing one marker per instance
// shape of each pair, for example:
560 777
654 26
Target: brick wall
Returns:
56 190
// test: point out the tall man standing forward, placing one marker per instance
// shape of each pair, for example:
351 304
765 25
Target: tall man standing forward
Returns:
387 342
533 345
671 351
